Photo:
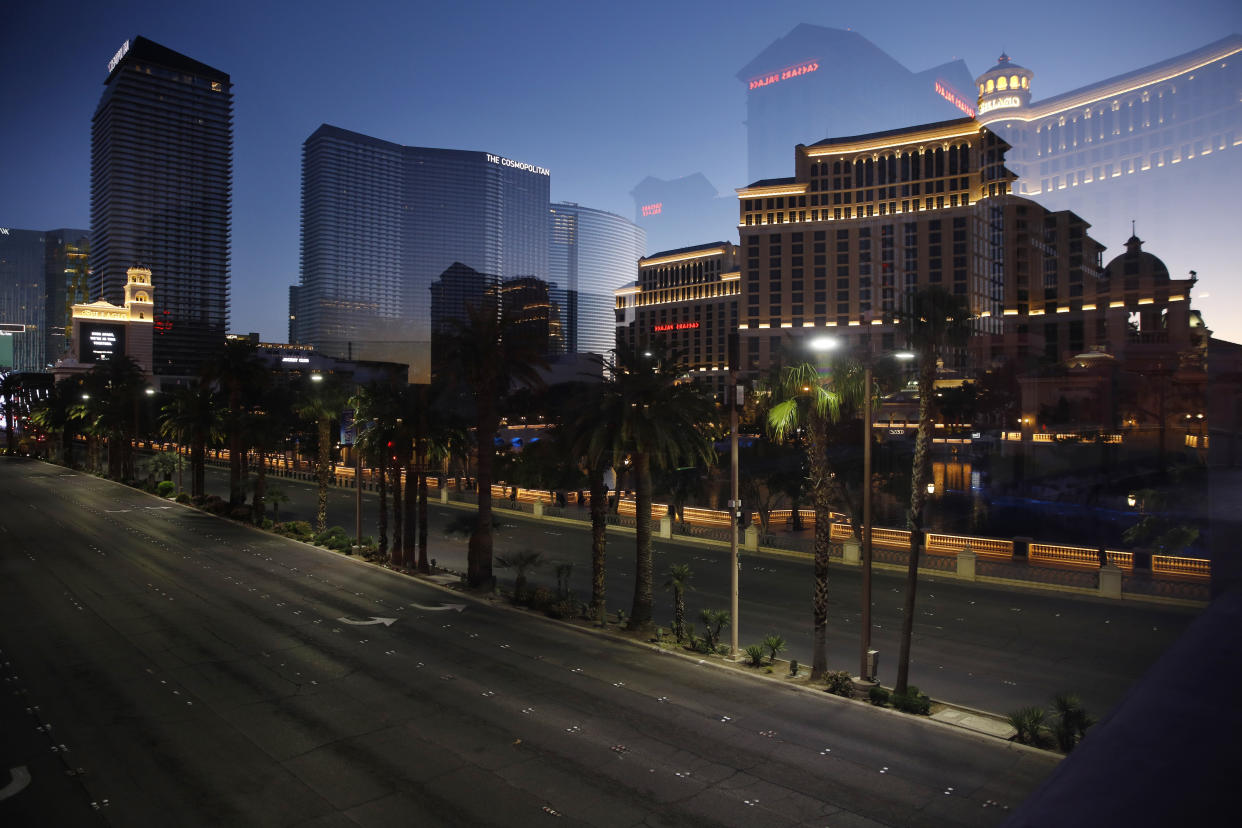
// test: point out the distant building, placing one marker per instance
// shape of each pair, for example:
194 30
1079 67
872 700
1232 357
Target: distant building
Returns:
23 300
102 330
688 300
67 268
591 253
535 309
161 184
817 81
382 222
671 211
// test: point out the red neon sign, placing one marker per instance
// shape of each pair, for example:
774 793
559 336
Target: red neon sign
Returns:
675 326
653 209
951 95
797 70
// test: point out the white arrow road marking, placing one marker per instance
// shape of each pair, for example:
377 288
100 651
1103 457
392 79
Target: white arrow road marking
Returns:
441 608
21 778
387 622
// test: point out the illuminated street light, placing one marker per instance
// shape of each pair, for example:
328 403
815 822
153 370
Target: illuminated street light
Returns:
316 377
824 343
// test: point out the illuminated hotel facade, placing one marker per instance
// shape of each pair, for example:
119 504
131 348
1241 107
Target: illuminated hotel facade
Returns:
591 253
1136 147
688 300
382 223
161 191
864 222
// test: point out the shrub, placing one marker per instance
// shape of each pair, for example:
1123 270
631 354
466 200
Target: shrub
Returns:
756 653
1071 721
840 684
542 598
241 512
912 701
297 529
216 505
335 538
774 644
713 620
793 667
184 498
566 608
878 696
268 524
1029 724
165 488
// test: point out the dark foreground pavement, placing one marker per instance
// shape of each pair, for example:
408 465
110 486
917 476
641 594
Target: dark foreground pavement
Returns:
200 673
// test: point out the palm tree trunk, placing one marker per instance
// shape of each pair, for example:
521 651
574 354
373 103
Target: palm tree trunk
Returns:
383 510
599 542
821 493
398 526
198 466
679 613
260 489
479 556
424 565
325 462
409 518
640 613
918 498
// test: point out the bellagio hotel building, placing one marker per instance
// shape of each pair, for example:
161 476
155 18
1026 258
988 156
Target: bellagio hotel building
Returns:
865 222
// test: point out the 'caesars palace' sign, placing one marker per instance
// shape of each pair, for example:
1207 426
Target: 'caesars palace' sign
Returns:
804 68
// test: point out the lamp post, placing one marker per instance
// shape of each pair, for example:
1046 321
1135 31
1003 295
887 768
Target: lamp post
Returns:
864 644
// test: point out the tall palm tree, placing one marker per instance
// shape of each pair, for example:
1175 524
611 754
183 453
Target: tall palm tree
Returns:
592 435
238 373
110 409
190 415
485 356
808 402
661 422
53 415
321 402
938 321
266 426
375 413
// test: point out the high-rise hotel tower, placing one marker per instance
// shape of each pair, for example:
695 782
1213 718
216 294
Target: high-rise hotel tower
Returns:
161 185
382 223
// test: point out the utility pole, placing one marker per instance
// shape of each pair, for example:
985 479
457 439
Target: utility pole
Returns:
865 641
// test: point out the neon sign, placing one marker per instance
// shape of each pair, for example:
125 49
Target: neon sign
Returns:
120 53
517 165
675 326
951 95
1007 102
653 209
794 71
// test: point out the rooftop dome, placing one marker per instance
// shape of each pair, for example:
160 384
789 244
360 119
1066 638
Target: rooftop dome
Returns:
1134 262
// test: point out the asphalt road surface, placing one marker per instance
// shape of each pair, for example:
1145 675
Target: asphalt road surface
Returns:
161 667
985 647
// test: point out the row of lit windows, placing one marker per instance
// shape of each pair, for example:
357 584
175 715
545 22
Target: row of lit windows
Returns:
1003 83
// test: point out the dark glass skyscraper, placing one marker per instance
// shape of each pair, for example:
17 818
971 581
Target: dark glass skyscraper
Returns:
161 183
382 222
591 254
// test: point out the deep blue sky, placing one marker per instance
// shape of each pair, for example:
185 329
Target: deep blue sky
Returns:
602 93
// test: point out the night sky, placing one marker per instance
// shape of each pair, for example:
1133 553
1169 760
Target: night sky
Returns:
603 94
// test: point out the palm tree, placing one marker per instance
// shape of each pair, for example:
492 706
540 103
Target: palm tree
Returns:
53 415
660 422
679 581
321 402
190 414
376 419
938 320
110 408
520 562
808 402
592 435
266 427
237 371
490 363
